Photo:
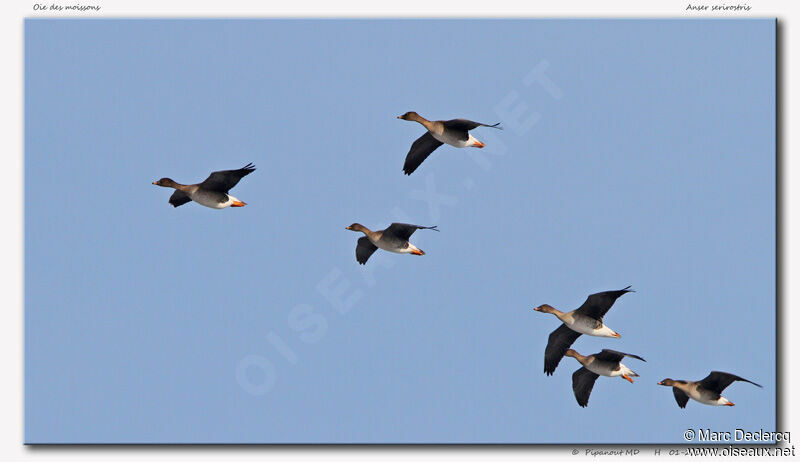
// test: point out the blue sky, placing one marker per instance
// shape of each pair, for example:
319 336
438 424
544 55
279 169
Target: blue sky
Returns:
634 152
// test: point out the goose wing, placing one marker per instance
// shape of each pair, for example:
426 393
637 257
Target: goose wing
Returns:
404 231
681 397
224 180
364 249
597 305
466 125
178 198
718 381
420 151
615 356
557 344
582 384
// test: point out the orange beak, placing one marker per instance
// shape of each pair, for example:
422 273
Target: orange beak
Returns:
155 182
730 404
417 252
616 335
238 204
478 144
627 378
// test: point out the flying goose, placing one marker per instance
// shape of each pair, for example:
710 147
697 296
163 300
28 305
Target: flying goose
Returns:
606 363
588 319
706 391
393 239
213 192
453 132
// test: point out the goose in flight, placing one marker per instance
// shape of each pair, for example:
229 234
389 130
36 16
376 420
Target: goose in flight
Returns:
607 363
392 239
213 192
706 391
453 132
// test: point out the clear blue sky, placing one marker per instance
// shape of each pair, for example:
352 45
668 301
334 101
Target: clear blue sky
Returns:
635 152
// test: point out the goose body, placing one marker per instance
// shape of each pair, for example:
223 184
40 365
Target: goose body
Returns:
213 192
707 391
389 246
606 363
587 325
392 239
703 396
454 132
214 199
453 139
587 319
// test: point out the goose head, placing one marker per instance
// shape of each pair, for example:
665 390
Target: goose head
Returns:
545 308
357 227
411 115
166 182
